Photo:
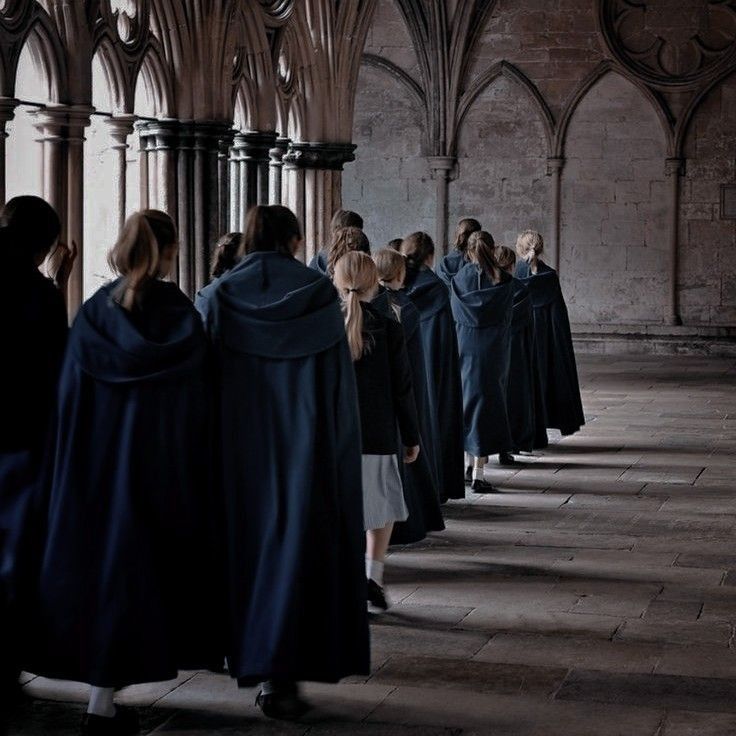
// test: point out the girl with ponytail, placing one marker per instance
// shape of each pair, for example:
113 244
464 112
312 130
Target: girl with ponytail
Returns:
126 590
482 299
458 257
340 220
386 399
439 341
562 406
227 253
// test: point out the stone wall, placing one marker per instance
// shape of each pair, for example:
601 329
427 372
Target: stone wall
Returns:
615 130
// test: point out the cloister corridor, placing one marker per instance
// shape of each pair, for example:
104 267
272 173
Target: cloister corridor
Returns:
595 595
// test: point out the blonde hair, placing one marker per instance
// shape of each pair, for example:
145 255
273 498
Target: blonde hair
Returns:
390 264
136 256
355 277
481 250
505 257
529 246
345 240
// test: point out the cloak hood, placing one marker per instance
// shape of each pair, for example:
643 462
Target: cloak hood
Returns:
476 302
427 292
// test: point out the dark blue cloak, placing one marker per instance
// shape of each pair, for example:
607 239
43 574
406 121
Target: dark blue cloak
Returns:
450 265
558 373
524 398
34 329
291 469
319 262
128 588
439 341
482 313
420 477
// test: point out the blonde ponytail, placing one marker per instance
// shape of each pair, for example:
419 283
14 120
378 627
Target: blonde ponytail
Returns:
136 256
529 246
355 278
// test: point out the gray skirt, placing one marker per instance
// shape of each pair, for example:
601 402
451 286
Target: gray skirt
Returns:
383 492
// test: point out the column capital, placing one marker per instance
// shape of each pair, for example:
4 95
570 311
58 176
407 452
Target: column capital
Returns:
278 150
254 145
555 164
7 110
332 156
442 167
674 167
56 122
120 127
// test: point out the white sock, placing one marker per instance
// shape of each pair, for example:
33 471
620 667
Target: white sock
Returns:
101 702
478 468
374 571
468 460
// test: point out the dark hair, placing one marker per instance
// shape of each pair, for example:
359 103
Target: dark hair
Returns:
32 223
464 229
505 257
417 247
225 256
270 228
481 250
346 218
394 244
136 256
346 240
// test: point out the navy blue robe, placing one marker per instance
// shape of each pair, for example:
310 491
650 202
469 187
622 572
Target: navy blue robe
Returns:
128 586
291 469
437 328
524 399
450 265
319 262
483 314
420 477
34 329
558 373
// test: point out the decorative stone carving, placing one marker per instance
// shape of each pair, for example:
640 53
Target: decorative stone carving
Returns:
671 43
319 155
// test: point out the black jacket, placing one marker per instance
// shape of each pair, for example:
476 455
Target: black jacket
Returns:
385 391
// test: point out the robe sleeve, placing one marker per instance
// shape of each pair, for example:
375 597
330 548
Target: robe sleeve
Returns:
401 385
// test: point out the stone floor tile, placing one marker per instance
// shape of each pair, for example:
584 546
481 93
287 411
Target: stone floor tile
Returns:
684 723
698 632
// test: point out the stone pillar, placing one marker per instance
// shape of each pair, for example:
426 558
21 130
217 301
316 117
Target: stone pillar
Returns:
120 128
7 112
314 187
62 137
142 165
674 169
555 164
281 146
251 152
234 173
223 180
442 168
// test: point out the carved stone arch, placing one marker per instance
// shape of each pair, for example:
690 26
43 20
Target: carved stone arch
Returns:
656 101
688 115
513 74
119 81
153 72
414 88
245 104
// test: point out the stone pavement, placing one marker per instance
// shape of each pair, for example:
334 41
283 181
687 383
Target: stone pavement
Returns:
596 596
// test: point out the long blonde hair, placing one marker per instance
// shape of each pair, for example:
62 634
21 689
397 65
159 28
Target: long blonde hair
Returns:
390 264
355 277
345 240
482 250
529 246
136 256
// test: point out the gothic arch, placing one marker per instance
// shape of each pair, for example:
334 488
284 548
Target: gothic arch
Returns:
512 73
664 116
154 74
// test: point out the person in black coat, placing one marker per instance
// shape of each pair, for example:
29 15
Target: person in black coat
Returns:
341 219
386 398
224 258
558 375
344 240
439 339
289 436
458 257
421 485
34 329
127 590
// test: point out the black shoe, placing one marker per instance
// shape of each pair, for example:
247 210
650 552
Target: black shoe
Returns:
283 705
123 723
469 474
506 458
377 602
482 486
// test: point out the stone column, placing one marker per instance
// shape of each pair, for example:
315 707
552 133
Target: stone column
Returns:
442 168
555 164
251 152
120 128
281 146
223 180
314 187
674 169
7 112
142 165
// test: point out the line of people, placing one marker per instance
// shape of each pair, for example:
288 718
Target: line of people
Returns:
182 486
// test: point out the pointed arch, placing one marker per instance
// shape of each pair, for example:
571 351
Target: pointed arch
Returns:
122 91
666 120
153 73
513 74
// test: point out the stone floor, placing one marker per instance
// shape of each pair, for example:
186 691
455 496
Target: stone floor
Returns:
595 595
